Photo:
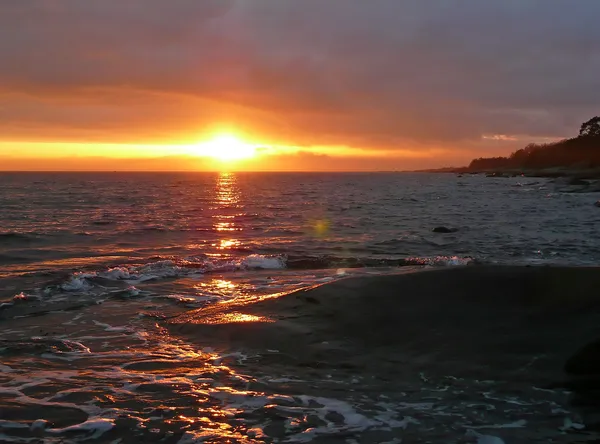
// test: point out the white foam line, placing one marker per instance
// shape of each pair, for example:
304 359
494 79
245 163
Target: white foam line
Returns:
419 406
512 425
487 395
76 318
6 369
568 424
110 328
539 389
92 338
280 380
32 384
14 439
24 399
98 426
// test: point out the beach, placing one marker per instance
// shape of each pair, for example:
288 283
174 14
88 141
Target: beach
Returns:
367 358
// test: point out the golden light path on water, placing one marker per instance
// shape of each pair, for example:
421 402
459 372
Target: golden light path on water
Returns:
141 366
196 389
227 201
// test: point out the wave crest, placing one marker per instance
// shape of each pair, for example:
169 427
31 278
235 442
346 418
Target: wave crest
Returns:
162 268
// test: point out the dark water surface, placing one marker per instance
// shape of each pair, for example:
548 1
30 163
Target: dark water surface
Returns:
314 220
92 266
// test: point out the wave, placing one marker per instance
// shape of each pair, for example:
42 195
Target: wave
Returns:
177 268
15 235
165 269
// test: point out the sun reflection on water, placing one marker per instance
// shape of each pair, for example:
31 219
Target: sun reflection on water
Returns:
234 318
226 207
225 244
217 287
227 192
221 283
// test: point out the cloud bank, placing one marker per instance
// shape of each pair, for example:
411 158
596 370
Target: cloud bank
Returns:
465 76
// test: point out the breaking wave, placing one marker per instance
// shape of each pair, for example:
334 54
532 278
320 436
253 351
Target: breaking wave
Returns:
161 268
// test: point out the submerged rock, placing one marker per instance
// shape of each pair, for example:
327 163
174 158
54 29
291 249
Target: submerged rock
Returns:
444 230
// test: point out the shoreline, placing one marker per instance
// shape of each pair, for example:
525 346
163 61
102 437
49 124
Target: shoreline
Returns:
550 173
552 307
423 353
528 328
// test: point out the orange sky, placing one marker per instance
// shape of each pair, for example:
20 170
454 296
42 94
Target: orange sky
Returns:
73 156
311 85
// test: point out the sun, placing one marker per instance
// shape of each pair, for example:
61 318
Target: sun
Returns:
226 148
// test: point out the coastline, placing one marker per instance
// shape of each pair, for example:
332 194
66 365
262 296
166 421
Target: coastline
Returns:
434 317
551 173
503 352
526 330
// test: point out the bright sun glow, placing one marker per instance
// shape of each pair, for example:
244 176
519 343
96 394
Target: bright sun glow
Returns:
226 148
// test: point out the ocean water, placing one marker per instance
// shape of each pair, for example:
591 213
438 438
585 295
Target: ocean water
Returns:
51 222
93 265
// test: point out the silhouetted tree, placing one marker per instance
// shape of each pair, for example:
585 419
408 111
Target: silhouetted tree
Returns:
591 128
578 152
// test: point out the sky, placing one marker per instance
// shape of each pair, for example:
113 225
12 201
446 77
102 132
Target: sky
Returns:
310 84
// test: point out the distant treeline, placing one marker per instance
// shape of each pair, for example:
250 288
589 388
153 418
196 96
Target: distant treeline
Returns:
582 151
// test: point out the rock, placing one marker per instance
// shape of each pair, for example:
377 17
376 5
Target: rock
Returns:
444 230
597 203
38 427
586 361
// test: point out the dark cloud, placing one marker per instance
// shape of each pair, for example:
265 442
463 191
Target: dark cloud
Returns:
368 74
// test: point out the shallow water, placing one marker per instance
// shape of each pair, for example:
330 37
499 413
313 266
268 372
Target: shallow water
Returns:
92 266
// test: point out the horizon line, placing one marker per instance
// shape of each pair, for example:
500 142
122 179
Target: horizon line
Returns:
210 171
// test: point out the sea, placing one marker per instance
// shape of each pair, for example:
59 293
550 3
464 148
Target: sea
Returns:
93 266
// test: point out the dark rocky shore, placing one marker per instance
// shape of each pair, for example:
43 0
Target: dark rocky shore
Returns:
526 326
591 174
474 354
